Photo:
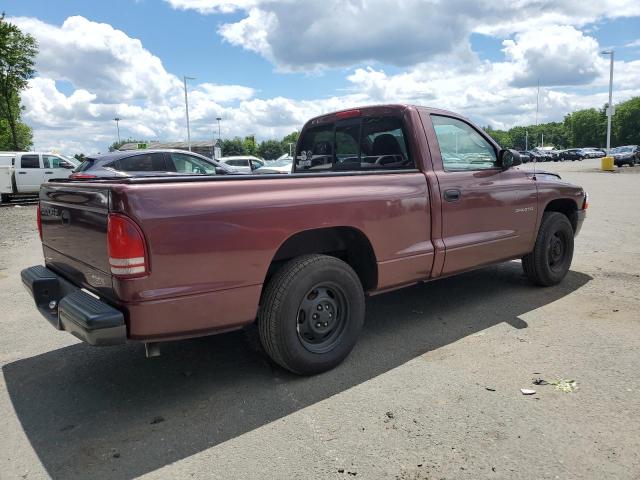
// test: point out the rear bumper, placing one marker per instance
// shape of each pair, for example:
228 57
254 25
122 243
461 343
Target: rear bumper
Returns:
73 310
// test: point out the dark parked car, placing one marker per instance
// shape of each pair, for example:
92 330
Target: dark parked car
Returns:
574 154
524 156
627 155
593 152
143 163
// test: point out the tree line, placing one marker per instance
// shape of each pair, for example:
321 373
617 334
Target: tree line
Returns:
582 128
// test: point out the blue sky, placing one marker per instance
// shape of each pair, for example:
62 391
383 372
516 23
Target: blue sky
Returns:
266 66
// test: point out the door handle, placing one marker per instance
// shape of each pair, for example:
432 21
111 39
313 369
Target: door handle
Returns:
452 195
48 172
22 173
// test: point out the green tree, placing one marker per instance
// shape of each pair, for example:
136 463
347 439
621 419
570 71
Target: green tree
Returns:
79 156
17 65
586 128
501 137
270 149
24 135
625 124
233 147
291 138
250 145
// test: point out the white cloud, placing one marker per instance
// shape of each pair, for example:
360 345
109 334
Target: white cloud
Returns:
635 43
113 74
555 55
304 35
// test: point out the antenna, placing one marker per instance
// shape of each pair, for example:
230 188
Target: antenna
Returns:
537 108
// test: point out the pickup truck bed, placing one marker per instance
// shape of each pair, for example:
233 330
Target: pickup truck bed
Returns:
215 253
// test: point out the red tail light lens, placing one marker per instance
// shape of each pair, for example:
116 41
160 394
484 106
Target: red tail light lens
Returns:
81 176
127 251
39 221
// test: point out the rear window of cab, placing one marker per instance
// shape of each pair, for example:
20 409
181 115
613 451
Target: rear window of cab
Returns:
356 144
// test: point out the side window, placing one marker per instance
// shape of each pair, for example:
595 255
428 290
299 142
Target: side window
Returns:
51 161
255 164
368 143
30 161
185 163
148 162
461 146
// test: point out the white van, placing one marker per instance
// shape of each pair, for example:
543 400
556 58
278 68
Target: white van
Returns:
22 173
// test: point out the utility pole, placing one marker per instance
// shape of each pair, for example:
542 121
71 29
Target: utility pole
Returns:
537 102
290 144
117 119
186 107
610 106
526 140
218 119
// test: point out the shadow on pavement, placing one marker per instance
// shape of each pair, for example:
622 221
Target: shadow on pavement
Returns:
111 413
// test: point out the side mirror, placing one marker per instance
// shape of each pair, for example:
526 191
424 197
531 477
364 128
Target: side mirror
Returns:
66 165
220 171
508 158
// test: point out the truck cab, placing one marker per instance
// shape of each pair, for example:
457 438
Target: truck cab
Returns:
22 173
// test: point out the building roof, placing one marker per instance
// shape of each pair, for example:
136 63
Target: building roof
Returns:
174 145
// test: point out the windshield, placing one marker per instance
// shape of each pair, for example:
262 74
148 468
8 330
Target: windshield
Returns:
282 162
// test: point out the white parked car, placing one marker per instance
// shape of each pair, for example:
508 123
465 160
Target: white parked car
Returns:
283 164
22 173
243 164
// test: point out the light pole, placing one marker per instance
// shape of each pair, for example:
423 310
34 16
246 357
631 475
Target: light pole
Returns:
610 106
218 119
117 119
290 144
186 107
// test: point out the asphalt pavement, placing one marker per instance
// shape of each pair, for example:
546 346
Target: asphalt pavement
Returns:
431 391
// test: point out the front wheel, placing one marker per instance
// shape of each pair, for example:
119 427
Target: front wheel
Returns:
552 253
312 313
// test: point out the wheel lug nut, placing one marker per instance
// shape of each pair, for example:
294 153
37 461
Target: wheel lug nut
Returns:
315 316
319 307
318 325
326 324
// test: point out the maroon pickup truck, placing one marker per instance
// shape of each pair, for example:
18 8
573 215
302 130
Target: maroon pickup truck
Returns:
380 197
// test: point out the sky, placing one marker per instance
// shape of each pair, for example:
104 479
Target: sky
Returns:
267 66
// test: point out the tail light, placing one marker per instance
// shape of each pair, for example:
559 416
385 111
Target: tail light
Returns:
81 176
347 114
127 250
39 221
585 205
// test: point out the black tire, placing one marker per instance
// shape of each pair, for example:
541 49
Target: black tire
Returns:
4 198
552 253
325 286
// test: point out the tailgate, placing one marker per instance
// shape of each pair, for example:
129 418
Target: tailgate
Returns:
74 234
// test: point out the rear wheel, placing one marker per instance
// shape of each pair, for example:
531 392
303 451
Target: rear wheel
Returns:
4 198
551 257
311 314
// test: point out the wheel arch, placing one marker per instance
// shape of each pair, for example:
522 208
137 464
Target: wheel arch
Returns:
566 206
347 243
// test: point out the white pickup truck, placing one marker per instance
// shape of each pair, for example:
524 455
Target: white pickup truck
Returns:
22 173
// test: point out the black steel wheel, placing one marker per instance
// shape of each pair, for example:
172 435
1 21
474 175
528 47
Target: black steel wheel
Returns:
322 315
311 314
552 254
